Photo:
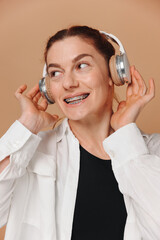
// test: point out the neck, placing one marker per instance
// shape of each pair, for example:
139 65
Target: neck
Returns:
91 132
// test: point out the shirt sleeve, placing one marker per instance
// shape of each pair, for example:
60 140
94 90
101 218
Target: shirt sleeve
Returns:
137 170
20 144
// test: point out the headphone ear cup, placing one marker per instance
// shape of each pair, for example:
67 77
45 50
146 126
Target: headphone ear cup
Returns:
48 90
45 90
113 71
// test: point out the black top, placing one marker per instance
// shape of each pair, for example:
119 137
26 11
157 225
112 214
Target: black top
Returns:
100 212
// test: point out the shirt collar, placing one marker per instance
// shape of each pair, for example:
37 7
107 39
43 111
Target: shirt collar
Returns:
62 129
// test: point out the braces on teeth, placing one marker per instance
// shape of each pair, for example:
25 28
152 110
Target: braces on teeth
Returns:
76 98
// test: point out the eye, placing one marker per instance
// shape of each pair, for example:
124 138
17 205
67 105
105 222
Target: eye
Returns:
54 74
82 65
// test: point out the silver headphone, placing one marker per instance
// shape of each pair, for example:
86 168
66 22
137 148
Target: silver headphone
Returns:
118 64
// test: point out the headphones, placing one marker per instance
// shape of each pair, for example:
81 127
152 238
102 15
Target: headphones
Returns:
118 64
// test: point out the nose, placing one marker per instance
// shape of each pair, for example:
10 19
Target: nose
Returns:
70 81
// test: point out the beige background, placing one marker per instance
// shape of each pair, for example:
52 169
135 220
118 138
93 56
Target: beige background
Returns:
26 25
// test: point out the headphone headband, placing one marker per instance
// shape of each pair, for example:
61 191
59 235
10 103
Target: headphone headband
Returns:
115 39
45 70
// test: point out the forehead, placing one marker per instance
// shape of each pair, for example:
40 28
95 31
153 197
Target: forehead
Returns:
70 47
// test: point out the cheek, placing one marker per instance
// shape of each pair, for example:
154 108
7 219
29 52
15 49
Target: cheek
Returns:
54 90
98 81
92 80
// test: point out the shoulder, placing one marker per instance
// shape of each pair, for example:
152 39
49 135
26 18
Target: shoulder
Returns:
153 142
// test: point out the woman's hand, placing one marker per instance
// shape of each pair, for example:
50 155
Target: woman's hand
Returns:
137 97
34 115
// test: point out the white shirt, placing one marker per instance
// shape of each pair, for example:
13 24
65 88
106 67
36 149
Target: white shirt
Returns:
38 188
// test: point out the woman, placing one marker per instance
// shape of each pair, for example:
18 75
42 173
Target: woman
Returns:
60 184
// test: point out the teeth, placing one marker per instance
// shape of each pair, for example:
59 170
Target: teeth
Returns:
75 102
76 99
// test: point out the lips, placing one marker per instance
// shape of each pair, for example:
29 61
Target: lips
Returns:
76 99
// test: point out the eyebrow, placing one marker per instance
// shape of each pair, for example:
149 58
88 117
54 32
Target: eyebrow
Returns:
74 60
81 56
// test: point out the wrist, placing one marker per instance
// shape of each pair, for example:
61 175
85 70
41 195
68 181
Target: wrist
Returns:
29 123
122 125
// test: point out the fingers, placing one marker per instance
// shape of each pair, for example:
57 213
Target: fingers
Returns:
138 86
33 92
134 84
133 87
151 90
37 97
43 105
121 105
20 90
141 89
138 89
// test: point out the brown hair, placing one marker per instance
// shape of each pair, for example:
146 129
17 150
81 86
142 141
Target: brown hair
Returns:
99 41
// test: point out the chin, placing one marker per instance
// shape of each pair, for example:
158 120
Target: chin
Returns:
78 112
75 113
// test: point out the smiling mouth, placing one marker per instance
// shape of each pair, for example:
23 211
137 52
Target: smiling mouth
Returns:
76 99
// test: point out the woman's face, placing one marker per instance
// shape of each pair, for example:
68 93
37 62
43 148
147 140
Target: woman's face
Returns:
79 79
